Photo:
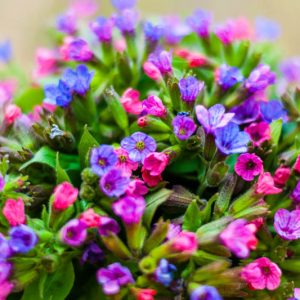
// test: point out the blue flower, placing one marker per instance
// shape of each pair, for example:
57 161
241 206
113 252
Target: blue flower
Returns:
153 33
205 292
5 51
246 112
78 80
266 29
58 94
165 272
22 239
230 139
229 76
103 159
273 110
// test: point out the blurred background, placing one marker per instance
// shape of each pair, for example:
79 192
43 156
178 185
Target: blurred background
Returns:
25 22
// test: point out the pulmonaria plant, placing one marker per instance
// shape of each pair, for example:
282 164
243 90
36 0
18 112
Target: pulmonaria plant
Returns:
150 159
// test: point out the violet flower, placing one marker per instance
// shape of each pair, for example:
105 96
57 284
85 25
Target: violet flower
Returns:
67 23
174 29
227 76
113 278
152 32
295 195
130 209
259 133
126 21
76 50
5 270
102 159
200 22
92 254
5 250
213 118
164 272
266 29
205 292
123 4
113 183
287 224
230 139
183 127
162 60
190 87
226 32
73 233
103 27
290 69
22 239
246 112
138 146
108 226
273 110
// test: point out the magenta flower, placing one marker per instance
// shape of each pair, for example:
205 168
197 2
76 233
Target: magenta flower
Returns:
130 209
190 87
239 238
259 133
113 183
185 242
262 274
138 145
64 196
213 118
113 278
162 60
183 127
73 233
131 101
125 164
103 27
282 175
156 163
226 32
108 226
248 166
154 106
5 289
14 212
137 188
265 185
90 218
287 224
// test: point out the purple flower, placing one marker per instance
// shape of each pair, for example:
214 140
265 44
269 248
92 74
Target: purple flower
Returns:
200 22
5 250
231 140
287 224
67 23
73 233
102 159
164 272
266 29
126 21
138 146
213 118
5 270
5 51
290 68
113 278
183 127
78 80
273 110
295 195
102 28
174 29
22 239
205 292
92 254
77 50
228 76
108 226
225 32
123 4
190 88
2 182
162 60
130 209
246 112
259 79
113 183
153 33
173 231
58 94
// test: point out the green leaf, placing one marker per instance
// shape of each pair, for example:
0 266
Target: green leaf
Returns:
192 217
61 174
47 156
87 142
154 200
276 128
29 98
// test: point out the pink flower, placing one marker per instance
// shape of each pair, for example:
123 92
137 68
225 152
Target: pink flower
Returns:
155 163
265 185
64 196
242 29
136 188
194 59
90 218
154 106
151 181
151 70
259 133
256 224
226 33
248 166
297 165
46 62
239 238
7 89
5 289
11 113
120 45
83 8
125 164
131 101
185 241
262 274
14 212
282 175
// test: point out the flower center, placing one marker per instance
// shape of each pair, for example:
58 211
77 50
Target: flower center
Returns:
266 270
182 131
107 186
101 162
122 158
140 145
250 165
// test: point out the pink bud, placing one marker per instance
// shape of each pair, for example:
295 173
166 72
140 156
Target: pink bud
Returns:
12 112
151 71
90 218
131 101
120 45
297 165
185 242
282 175
64 196
46 62
14 212
142 121
154 106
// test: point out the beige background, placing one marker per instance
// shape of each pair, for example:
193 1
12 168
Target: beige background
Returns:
25 21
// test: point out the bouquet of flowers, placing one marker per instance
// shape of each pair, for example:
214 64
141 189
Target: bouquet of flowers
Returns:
150 160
